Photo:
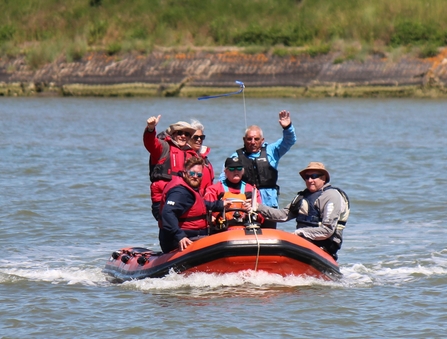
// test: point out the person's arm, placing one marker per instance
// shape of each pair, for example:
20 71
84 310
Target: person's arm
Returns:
215 206
330 207
151 142
276 214
277 149
153 145
178 200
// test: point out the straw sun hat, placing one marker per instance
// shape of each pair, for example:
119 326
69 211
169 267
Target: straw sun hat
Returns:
316 166
180 126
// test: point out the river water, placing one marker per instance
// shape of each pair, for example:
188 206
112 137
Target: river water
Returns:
74 188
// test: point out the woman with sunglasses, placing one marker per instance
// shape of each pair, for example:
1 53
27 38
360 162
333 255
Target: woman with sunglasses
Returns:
196 143
321 210
168 153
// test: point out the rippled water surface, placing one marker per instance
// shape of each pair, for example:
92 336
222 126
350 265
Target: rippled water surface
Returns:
74 187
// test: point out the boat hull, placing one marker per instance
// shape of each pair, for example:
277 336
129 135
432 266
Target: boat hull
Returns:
235 250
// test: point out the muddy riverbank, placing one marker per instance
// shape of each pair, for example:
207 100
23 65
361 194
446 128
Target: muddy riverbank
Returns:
195 73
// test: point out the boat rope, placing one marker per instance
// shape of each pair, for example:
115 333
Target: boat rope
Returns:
252 213
252 226
259 249
243 98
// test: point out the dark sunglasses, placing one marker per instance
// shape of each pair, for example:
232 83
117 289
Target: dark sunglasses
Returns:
250 139
232 169
312 176
197 137
180 133
193 174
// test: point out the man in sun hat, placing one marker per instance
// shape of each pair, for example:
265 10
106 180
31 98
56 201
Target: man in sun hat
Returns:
315 166
231 188
321 210
168 154
261 160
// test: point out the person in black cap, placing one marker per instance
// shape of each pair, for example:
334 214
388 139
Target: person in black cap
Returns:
232 187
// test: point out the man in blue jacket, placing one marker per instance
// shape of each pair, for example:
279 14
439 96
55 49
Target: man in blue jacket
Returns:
261 160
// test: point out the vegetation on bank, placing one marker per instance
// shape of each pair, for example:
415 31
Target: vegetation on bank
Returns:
44 30
152 90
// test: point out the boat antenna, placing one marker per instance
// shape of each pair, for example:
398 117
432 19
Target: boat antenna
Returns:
242 87
243 98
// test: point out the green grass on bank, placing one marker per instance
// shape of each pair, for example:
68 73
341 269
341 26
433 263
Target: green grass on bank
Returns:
44 30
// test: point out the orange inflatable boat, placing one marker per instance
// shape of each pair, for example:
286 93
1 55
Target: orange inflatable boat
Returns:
236 249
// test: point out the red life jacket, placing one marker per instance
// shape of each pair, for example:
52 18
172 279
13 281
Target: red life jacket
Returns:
208 174
235 214
195 217
171 161
236 206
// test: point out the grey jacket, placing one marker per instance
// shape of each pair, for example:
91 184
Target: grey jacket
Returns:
332 206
